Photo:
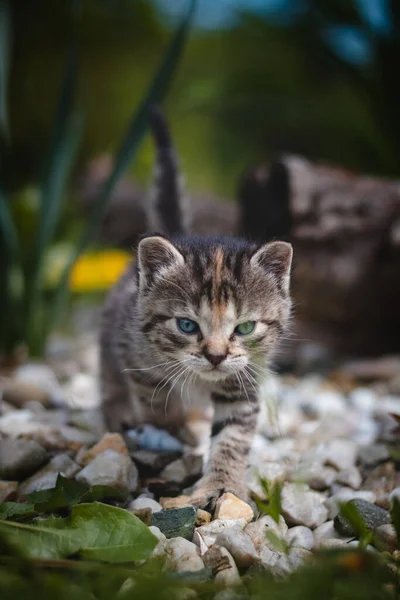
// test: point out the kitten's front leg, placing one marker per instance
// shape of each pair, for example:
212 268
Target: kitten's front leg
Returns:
234 424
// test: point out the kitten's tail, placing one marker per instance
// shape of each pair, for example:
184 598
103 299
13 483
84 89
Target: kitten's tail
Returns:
166 209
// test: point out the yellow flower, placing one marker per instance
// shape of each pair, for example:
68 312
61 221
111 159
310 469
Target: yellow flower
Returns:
97 271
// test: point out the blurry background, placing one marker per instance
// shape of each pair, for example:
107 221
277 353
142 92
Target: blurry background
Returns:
257 80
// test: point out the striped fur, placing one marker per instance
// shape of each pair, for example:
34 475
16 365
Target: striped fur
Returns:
151 370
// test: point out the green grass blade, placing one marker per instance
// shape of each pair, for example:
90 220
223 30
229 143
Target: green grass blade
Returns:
5 52
66 134
8 232
130 145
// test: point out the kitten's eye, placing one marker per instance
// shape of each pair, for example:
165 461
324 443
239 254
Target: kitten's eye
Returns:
245 328
187 326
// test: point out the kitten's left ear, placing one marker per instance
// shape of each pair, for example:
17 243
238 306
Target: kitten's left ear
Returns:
275 258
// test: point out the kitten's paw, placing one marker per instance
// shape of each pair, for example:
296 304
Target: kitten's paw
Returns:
207 493
118 416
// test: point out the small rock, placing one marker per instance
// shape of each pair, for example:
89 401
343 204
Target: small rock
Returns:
340 454
301 506
350 477
300 536
143 502
332 543
8 490
150 438
203 517
363 399
110 441
372 454
82 391
42 377
395 494
344 495
280 564
271 471
385 538
161 548
144 514
175 471
372 516
199 541
176 522
209 532
112 469
223 566
20 458
317 476
326 532
239 544
154 461
257 530
46 478
20 393
231 507
382 480
182 556
178 502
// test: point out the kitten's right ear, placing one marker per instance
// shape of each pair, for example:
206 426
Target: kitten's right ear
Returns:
156 253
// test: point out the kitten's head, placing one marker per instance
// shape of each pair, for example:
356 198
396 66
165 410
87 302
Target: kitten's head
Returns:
217 305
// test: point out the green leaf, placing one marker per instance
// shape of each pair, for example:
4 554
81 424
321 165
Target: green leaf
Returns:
68 492
129 147
277 542
395 514
5 52
350 512
15 509
97 531
272 505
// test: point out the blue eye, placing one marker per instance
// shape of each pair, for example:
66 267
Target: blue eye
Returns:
245 328
187 326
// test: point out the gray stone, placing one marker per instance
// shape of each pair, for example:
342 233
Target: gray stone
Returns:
300 536
372 454
257 529
82 391
223 565
314 474
175 471
239 544
161 548
350 477
340 454
155 461
326 532
385 538
373 516
301 506
210 531
183 556
143 502
112 469
20 394
42 377
20 458
176 522
151 438
344 495
46 478
332 543
281 564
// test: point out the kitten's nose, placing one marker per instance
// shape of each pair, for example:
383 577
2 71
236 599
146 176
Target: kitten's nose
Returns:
214 359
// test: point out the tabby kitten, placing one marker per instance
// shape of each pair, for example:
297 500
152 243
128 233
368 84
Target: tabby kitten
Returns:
205 311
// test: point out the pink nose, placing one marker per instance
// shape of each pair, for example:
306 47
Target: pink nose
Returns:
214 359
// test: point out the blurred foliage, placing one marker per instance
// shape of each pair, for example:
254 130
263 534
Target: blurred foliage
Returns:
259 88
30 315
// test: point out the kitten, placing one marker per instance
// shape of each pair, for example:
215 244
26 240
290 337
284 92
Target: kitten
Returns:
205 311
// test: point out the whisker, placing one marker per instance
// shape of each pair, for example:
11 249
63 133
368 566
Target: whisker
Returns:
177 377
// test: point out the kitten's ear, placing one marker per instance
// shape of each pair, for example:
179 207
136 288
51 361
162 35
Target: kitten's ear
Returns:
155 253
275 258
